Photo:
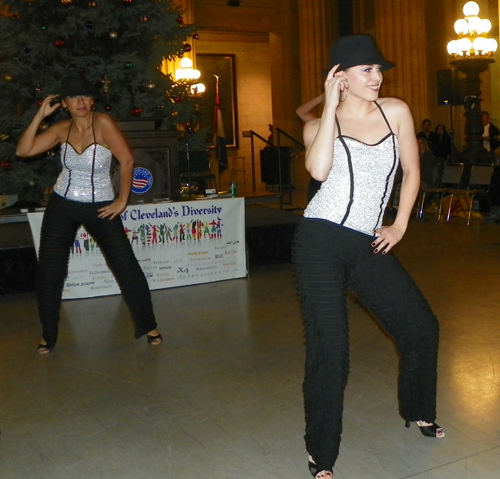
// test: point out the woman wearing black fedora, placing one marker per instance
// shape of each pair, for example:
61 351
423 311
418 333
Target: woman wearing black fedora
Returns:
341 244
83 194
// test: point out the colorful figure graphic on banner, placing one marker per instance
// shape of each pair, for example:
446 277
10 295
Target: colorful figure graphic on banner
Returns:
143 232
213 230
154 234
77 248
135 238
127 232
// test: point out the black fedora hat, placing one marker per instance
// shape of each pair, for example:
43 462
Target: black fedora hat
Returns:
75 85
356 50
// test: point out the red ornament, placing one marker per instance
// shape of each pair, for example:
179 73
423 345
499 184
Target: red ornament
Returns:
196 36
177 99
59 43
108 108
144 19
6 164
127 2
187 47
135 111
180 20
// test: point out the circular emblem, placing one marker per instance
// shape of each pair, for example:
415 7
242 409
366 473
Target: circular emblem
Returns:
142 181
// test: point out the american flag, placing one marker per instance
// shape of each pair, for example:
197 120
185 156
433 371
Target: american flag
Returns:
139 183
220 135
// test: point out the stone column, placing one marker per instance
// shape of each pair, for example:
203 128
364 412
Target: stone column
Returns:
401 36
315 34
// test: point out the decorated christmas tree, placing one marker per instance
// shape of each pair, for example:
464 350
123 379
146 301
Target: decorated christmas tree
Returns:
118 45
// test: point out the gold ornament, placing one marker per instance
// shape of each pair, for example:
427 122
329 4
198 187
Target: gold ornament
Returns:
7 78
92 4
4 137
105 84
113 35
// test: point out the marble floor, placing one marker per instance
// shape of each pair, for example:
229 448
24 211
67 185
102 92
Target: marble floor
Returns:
221 397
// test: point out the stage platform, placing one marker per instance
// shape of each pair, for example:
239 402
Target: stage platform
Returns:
268 232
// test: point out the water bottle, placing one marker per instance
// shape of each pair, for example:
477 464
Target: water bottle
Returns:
232 188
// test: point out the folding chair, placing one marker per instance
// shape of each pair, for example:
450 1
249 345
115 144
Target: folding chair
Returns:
479 184
452 177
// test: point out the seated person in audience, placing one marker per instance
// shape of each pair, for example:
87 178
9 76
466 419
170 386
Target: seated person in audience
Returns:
491 133
443 143
428 135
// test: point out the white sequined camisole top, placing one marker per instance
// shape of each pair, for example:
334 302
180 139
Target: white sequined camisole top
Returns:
85 176
359 185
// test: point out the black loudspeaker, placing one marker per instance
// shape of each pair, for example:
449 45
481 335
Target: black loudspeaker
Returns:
270 160
448 87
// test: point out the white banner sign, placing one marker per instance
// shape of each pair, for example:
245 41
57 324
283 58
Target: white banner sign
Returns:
177 244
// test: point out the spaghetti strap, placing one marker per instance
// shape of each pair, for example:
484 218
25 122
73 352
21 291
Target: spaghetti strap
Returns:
93 161
337 122
385 118
69 129
93 131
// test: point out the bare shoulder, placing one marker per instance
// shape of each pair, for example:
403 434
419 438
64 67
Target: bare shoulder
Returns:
107 129
394 106
104 120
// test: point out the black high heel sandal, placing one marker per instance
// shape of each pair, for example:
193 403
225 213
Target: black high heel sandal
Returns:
429 431
154 340
313 469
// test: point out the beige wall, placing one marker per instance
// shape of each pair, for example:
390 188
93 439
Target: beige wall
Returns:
253 90
265 37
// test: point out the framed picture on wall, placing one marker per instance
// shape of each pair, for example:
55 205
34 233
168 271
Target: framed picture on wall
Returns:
222 66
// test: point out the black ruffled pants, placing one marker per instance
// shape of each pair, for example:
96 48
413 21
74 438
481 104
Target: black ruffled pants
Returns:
329 260
61 221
